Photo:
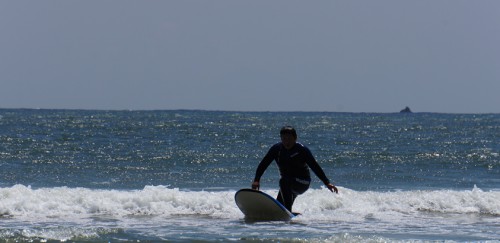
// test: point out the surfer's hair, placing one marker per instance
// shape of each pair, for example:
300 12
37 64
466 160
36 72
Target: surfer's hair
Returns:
288 130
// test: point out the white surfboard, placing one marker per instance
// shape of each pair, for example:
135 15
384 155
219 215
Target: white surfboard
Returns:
257 205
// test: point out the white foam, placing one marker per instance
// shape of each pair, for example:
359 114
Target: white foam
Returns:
60 233
22 201
350 205
63 202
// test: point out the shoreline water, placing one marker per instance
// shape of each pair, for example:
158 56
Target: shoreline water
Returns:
158 212
171 176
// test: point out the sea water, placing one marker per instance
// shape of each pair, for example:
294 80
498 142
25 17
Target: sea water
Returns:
81 175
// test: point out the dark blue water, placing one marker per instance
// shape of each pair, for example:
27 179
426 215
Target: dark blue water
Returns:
171 175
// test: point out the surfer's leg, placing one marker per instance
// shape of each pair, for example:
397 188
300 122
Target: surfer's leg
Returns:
297 188
279 198
289 190
286 196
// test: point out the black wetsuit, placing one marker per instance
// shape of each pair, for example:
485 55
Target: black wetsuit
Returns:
294 167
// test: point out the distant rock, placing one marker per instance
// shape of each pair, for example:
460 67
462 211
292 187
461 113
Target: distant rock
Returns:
406 110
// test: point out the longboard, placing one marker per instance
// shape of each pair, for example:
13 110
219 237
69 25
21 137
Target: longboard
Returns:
257 205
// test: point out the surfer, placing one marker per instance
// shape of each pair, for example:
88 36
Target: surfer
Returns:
294 161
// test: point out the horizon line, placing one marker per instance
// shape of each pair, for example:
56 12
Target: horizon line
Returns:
245 111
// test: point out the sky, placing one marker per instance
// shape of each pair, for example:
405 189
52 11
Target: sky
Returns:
280 55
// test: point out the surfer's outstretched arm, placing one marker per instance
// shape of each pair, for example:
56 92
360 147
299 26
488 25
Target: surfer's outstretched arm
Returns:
264 163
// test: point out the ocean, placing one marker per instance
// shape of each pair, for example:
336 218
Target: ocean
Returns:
153 176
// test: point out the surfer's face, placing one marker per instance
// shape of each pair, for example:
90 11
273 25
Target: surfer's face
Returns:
288 140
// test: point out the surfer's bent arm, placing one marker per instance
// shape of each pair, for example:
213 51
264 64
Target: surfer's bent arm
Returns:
264 163
313 164
316 168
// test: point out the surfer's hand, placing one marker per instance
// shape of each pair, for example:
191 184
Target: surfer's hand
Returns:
255 185
332 188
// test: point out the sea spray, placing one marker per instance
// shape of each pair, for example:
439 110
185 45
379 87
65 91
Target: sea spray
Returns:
22 201
320 204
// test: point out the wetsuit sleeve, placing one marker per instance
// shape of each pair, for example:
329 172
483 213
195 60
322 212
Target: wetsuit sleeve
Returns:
313 164
266 161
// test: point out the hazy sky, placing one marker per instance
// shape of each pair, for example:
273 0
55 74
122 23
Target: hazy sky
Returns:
332 55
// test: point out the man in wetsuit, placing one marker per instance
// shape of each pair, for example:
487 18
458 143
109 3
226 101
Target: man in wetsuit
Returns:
294 161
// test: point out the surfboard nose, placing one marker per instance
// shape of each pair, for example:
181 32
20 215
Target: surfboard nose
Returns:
257 205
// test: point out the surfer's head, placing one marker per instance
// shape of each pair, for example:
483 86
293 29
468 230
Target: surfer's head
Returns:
288 130
288 137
